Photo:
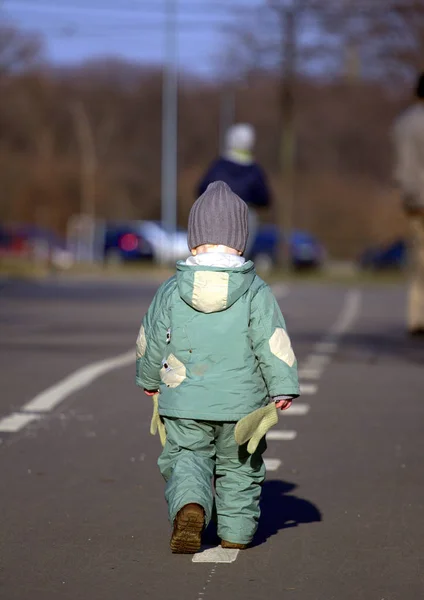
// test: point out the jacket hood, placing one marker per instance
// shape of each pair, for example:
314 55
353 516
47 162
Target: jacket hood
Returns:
213 289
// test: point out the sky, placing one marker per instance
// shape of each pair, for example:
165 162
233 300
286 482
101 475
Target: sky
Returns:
76 30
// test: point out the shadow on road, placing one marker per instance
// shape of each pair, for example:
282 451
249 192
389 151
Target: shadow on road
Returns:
392 344
279 510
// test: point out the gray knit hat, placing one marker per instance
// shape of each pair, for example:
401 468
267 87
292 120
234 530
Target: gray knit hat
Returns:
219 216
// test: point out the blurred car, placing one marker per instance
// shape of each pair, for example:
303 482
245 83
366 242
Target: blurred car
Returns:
168 246
143 240
305 250
5 240
12 243
124 242
389 256
35 243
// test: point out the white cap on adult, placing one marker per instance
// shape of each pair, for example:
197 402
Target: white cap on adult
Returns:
240 137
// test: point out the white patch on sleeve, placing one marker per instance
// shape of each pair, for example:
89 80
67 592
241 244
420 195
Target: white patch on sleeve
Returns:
141 343
210 291
281 347
173 372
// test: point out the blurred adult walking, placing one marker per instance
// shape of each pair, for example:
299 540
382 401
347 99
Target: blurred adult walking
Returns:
409 143
242 173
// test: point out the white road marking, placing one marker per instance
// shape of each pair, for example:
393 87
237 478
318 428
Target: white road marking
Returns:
326 347
297 409
318 360
272 464
349 313
15 422
281 435
216 555
54 395
308 389
307 373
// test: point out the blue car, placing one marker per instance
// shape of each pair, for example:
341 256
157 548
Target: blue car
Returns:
391 256
305 250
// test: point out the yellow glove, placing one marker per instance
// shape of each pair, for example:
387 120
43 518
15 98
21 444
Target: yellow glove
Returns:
253 427
157 424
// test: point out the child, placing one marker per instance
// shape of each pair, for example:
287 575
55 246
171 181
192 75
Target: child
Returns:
214 343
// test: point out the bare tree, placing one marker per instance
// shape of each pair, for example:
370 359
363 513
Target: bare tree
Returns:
18 50
385 39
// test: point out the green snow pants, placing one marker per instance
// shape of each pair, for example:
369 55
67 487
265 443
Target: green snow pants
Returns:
197 453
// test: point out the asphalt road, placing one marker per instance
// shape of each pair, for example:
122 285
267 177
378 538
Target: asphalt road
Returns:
82 513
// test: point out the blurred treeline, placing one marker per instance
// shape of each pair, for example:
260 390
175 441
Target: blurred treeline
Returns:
344 189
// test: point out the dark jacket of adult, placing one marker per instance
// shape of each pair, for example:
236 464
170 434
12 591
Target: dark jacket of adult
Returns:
247 180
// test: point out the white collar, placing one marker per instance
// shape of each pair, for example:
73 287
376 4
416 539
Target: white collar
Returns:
216 259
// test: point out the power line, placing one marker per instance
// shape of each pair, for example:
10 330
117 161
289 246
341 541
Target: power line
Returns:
131 7
73 31
126 9
133 24
133 35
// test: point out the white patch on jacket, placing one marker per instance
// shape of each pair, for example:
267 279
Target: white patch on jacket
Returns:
141 343
210 291
173 372
281 347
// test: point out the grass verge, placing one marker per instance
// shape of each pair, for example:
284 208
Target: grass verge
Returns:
24 269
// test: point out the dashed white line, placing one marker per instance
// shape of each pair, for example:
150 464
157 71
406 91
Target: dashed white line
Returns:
15 422
297 409
311 369
308 389
307 373
216 555
326 347
318 360
272 464
285 435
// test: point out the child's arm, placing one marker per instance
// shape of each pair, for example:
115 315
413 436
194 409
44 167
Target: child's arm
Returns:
272 347
151 342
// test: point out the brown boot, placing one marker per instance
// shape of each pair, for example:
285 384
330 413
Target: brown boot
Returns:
233 546
188 527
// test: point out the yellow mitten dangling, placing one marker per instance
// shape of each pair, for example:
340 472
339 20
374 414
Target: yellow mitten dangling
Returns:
156 423
253 427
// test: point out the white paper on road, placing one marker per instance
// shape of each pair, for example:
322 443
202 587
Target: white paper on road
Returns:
216 555
296 409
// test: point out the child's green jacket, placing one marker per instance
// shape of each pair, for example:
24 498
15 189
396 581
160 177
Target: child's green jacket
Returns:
214 342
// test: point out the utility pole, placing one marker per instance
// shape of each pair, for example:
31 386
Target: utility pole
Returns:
86 219
288 19
227 112
88 159
352 62
170 120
